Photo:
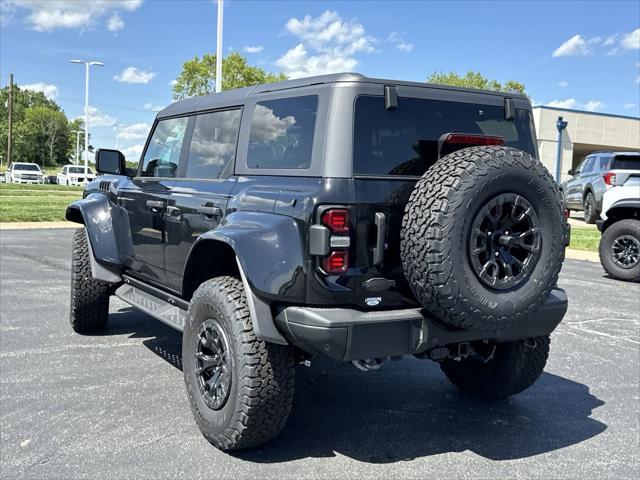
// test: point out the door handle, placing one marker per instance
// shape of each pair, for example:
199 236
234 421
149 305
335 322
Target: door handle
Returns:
155 204
378 250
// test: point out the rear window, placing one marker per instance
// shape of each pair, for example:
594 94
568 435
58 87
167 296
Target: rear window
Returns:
626 162
282 133
405 141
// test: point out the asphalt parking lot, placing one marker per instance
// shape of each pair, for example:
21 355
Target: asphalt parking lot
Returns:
114 406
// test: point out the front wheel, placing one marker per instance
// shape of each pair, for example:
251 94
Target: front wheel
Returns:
499 370
240 388
591 213
620 250
89 297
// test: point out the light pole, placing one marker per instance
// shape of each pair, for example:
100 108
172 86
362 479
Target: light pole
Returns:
78 133
117 127
560 125
219 48
86 107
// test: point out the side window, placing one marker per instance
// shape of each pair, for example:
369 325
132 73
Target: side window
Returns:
163 153
588 165
281 133
213 143
603 163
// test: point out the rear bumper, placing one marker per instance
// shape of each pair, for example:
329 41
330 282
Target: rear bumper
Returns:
345 334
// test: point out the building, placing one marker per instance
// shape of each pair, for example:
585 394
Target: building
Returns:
586 132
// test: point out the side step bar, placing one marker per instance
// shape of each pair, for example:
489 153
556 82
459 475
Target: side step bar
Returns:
161 305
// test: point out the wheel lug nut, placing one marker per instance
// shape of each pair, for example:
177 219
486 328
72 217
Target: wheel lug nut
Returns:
496 254
506 232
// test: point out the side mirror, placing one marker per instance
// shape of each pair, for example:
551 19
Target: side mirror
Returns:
571 172
110 161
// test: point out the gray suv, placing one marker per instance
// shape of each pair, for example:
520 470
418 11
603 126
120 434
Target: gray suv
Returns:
588 182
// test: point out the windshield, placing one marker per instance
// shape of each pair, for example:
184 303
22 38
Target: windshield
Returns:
30 167
405 141
79 170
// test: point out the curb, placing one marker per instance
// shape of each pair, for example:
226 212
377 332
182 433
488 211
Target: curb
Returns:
36 225
582 255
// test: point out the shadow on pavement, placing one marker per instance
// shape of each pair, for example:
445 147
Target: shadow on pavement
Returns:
403 411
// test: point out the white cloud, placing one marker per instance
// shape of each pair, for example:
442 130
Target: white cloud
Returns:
638 80
563 83
47 15
405 47
173 82
50 91
115 23
572 103
631 41
133 153
576 46
137 131
98 119
629 106
397 38
152 108
253 49
328 44
610 40
134 75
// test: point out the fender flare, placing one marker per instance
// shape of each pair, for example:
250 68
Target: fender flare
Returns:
95 213
270 258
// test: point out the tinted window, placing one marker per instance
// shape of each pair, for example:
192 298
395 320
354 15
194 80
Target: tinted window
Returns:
626 162
405 141
282 133
163 153
78 170
213 143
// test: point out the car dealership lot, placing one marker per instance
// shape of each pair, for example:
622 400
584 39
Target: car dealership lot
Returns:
113 405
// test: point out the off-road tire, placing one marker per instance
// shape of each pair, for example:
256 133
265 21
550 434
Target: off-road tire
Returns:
514 367
89 297
629 227
436 231
262 381
591 213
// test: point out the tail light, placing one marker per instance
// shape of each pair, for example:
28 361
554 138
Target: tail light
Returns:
335 260
609 178
336 220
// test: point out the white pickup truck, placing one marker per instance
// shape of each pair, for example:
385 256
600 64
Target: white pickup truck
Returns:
75 175
620 222
22 172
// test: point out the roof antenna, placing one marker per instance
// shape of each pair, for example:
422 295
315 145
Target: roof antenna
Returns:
390 97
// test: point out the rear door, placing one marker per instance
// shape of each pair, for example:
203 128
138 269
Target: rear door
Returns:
145 199
392 149
198 199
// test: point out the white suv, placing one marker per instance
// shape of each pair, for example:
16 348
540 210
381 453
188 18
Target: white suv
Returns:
620 225
24 173
75 175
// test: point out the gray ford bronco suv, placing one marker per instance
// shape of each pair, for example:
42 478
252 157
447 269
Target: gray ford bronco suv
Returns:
339 215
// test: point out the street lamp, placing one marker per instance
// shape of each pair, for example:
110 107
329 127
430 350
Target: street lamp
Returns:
78 133
86 106
117 127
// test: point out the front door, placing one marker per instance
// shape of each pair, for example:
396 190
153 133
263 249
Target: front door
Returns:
199 197
145 200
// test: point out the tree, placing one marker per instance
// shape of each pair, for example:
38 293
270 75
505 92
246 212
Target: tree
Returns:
475 80
40 128
198 76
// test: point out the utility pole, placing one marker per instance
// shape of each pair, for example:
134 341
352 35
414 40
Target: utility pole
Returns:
10 135
560 125
219 48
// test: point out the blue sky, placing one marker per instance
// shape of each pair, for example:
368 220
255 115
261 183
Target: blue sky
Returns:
583 55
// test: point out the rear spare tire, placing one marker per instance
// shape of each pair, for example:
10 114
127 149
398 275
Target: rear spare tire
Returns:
482 239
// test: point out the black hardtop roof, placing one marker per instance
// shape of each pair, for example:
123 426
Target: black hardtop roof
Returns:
238 96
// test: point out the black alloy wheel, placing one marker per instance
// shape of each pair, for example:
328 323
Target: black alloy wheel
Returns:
213 364
505 241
